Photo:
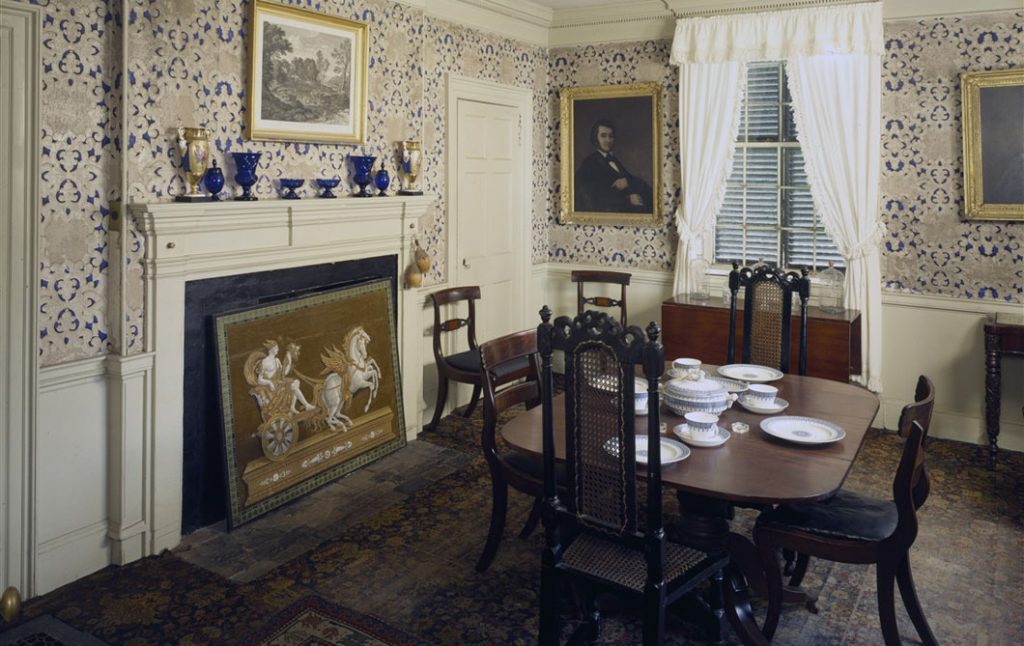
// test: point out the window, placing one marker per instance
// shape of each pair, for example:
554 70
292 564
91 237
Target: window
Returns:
768 213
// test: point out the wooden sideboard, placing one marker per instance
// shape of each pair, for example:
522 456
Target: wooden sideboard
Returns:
701 329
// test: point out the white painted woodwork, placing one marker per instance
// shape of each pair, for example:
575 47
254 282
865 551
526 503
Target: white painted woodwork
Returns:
207 240
933 335
19 215
489 152
564 23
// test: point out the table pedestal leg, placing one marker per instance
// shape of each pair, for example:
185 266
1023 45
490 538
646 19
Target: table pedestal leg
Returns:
705 526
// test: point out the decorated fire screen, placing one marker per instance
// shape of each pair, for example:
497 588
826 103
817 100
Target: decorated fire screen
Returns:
310 391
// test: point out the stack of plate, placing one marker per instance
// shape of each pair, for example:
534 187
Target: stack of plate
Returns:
704 395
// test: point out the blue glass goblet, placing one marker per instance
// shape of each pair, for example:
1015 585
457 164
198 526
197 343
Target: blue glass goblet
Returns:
245 174
364 166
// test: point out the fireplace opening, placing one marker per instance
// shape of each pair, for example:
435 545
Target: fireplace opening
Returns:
204 490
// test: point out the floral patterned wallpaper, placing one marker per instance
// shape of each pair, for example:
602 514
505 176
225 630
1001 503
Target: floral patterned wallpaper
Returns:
928 247
187 65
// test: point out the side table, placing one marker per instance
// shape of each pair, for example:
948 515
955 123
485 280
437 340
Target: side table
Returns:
1004 336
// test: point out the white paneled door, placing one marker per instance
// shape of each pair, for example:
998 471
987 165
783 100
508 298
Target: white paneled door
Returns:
492 211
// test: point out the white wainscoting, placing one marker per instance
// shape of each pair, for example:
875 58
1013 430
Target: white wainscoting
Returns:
933 335
71 474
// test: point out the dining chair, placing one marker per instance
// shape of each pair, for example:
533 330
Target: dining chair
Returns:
499 361
463 367
594 534
853 528
582 277
919 411
767 315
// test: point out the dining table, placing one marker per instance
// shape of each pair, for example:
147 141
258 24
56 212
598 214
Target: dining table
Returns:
750 469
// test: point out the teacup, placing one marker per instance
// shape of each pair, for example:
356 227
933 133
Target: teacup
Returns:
702 426
761 395
640 396
687 368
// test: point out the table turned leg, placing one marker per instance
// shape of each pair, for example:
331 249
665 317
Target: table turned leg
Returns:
993 379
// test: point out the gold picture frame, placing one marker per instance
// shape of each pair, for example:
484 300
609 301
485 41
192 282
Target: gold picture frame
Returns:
307 76
620 185
993 139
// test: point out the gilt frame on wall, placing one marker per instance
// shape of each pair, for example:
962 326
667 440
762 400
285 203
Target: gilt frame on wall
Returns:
310 390
993 138
611 154
307 76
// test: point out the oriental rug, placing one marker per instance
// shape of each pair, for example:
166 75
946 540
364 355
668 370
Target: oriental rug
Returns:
313 620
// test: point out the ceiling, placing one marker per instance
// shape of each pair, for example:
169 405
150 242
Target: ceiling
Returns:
575 4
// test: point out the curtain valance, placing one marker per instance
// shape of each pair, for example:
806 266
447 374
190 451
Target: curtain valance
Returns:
780 35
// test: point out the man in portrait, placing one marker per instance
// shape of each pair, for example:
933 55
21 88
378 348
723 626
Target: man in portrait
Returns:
603 183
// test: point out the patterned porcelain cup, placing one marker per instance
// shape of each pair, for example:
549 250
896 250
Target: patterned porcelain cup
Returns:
687 368
761 395
702 426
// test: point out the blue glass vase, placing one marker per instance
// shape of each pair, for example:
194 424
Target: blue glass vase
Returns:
364 167
382 180
213 180
245 174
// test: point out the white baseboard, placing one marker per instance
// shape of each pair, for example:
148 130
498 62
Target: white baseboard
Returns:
71 556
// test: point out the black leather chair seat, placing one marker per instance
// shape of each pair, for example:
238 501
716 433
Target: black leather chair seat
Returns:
846 515
469 361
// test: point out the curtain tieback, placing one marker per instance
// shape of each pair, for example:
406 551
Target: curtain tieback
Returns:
683 228
865 247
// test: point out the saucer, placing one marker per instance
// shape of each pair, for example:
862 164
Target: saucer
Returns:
682 431
779 406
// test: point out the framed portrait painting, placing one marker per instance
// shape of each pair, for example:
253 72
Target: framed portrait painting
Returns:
310 390
307 76
611 152
993 132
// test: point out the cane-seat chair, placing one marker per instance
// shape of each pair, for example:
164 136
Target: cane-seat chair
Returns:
584 302
464 366
503 390
767 315
595 537
854 528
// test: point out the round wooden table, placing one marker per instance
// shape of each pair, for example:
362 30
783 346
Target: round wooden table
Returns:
750 469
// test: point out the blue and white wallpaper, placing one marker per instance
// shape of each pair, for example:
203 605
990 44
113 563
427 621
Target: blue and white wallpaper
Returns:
188 65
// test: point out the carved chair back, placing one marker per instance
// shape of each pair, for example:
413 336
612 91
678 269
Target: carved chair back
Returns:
767 315
582 277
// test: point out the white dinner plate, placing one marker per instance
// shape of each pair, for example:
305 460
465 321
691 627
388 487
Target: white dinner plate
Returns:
671 450
682 431
802 430
730 385
779 406
750 373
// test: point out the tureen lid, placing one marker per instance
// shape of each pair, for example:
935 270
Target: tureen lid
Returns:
702 388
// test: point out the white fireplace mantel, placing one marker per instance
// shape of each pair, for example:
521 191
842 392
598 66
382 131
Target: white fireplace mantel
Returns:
194 241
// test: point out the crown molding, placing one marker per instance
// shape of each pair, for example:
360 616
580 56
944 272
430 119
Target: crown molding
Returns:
641 20
518 19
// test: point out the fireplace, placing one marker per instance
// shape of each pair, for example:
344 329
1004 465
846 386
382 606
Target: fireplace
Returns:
203 486
285 245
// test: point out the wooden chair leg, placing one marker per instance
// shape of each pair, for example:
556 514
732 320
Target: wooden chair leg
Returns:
886 577
906 582
550 603
654 616
442 397
473 400
531 522
773 582
799 570
499 505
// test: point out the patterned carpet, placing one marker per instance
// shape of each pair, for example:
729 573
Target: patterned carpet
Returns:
410 565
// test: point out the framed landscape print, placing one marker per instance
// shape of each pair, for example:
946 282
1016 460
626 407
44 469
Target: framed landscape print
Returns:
310 390
611 153
993 131
307 76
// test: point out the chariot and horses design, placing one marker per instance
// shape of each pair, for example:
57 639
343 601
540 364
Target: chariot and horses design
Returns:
276 386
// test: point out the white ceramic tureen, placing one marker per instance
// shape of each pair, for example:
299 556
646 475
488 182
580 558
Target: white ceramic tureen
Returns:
702 395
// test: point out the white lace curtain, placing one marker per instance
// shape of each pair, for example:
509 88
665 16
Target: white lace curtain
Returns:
833 57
